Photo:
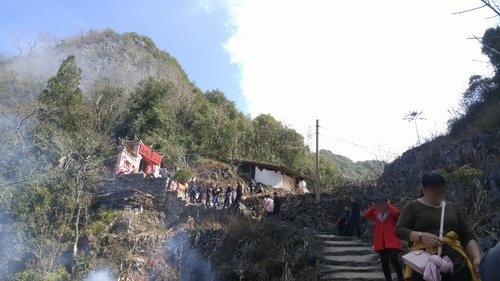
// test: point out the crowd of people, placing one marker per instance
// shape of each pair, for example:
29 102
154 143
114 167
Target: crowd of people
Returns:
213 195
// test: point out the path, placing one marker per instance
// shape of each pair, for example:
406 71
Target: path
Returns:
346 258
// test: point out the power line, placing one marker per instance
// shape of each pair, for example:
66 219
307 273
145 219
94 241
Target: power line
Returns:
371 150
345 141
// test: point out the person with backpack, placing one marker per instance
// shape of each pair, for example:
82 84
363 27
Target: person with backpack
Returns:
385 241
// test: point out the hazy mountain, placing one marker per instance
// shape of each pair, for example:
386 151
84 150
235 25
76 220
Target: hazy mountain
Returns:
120 59
369 169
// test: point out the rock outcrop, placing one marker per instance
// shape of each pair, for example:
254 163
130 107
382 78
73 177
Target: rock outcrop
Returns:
471 166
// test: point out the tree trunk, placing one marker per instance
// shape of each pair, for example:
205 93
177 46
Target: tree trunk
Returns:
77 227
77 231
418 135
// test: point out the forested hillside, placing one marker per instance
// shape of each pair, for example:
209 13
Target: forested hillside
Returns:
360 170
140 92
63 109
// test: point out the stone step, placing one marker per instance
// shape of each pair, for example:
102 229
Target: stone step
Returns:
330 237
353 243
347 258
358 276
326 269
351 260
341 251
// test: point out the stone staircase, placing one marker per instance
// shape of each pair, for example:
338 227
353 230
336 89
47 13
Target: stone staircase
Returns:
347 258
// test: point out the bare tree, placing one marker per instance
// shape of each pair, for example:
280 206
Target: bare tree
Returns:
30 45
492 5
383 156
415 116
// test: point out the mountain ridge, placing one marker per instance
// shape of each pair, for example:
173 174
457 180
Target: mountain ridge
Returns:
120 59
355 170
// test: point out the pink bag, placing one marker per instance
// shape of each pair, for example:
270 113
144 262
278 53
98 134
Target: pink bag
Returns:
417 260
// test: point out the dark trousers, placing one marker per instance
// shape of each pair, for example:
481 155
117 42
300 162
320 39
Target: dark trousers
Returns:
236 203
390 255
354 227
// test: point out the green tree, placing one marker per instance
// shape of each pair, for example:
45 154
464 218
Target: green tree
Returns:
479 104
46 224
74 147
108 105
211 126
292 148
183 175
228 122
330 175
62 102
267 131
149 117
491 46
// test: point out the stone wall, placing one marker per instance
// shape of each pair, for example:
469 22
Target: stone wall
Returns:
402 177
137 181
157 187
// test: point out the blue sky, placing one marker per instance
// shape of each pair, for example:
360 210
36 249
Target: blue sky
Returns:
192 33
357 66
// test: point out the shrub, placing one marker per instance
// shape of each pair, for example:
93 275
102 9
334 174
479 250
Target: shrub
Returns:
183 175
60 274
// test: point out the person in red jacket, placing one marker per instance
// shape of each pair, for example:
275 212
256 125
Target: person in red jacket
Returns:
386 243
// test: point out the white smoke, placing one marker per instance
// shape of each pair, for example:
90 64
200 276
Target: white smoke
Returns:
123 60
186 259
100 275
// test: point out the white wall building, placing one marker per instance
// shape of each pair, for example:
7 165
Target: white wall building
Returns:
276 179
274 175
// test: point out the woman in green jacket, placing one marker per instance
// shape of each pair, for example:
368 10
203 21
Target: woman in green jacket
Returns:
419 223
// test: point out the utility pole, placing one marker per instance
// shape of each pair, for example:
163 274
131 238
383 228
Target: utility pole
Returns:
316 182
